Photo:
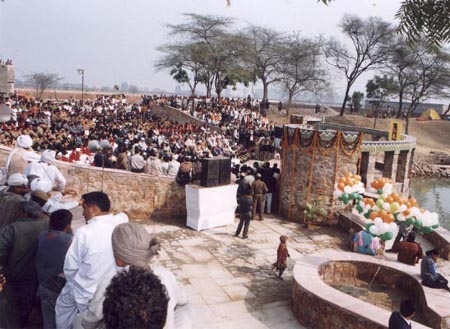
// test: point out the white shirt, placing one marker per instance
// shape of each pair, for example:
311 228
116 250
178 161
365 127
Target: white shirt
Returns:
50 172
179 313
54 203
90 257
174 166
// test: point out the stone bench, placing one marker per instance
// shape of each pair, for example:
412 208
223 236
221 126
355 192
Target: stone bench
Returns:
318 305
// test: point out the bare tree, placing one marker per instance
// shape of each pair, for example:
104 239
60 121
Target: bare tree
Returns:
42 81
401 58
263 55
371 39
300 66
430 77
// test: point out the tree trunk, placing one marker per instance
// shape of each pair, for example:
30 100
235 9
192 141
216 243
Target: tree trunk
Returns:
400 104
407 123
291 95
345 100
265 89
208 91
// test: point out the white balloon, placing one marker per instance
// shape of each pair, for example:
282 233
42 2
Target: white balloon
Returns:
347 189
426 221
378 221
414 211
403 207
337 193
393 227
386 228
386 206
401 217
374 230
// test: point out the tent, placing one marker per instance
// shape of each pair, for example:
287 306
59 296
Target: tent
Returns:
431 114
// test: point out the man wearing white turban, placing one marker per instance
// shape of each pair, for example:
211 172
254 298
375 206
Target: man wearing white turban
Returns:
11 199
46 170
133 245
21 155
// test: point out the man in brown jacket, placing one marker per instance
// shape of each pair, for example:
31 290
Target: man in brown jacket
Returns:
259 188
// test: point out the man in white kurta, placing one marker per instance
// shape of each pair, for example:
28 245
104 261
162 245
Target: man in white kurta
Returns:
44 169
89 259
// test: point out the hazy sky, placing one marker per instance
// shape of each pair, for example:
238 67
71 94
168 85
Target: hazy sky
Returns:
116 40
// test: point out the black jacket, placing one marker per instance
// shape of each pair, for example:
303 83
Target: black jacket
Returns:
397 322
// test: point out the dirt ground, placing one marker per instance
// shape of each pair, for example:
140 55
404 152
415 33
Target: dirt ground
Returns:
431 135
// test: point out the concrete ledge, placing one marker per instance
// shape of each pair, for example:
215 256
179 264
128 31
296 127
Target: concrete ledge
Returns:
318 305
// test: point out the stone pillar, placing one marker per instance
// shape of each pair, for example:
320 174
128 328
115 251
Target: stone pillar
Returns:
388 165
371 166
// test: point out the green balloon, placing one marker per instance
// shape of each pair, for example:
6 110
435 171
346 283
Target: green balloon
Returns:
367 215
368 226
396 215
379 203
435 226
380 191
352 196
427 229
418 224
359 208
359 197
345 198
386 236
410 220
340 198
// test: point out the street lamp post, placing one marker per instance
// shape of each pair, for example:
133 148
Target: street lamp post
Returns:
81 72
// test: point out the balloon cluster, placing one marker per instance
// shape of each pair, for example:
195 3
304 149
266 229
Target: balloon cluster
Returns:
349 187
381 186
382 229
388 207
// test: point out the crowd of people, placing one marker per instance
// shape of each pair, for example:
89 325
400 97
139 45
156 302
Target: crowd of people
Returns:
109 132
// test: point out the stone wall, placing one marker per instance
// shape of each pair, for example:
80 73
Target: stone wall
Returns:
431 165
296 179
179 116
141 196
340 272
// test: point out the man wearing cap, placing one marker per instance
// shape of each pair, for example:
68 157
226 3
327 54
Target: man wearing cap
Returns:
11 198
259 188
20 156
46 170
18 247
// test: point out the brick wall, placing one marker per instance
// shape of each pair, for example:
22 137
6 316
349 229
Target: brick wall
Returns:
140 195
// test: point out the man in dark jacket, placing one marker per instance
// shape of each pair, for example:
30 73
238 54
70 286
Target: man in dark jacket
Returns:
402 319
11 198
245 212
53 246
18 246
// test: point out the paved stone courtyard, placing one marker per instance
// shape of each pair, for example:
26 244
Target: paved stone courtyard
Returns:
229 280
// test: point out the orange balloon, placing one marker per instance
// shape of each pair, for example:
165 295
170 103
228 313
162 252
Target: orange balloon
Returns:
390 218
394 195
408 204
341 186
347 181
382 213
358 178
402 201
373 215
389 199
342 180
413 202
348 175
406 213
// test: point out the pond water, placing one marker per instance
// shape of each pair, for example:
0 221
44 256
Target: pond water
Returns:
433 194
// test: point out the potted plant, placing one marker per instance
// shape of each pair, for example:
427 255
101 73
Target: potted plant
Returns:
312 212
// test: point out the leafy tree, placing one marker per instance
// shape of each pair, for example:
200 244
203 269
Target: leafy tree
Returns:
378 90
423 20
42 81
371 41
356 101
300 66
221 63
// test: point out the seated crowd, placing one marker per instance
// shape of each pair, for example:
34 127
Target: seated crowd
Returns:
130 135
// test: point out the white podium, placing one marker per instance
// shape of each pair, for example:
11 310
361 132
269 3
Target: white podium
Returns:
209 207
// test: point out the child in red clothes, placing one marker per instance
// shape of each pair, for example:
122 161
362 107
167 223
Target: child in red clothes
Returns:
282 255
